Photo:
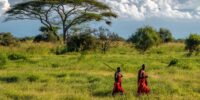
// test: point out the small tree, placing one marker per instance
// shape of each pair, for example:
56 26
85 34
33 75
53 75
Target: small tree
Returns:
103 36
49 33
144 38
81 41
192 43
165 35
7 39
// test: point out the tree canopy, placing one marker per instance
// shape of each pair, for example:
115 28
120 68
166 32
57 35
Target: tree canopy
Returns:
193 43
165 35
62 13
144 38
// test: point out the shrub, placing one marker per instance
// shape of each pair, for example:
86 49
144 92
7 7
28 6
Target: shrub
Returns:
173 62
40 37
3 60
46 37
192 43
7 39
16 57
81 42
165 35
52 38
144 38
24 39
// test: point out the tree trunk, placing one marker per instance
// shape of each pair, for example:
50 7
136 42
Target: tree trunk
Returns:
58 38
64 37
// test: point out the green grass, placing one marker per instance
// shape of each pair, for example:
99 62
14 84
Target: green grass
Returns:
44 75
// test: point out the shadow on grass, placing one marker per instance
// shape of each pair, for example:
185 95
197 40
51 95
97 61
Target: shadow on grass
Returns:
102 93
20 97
62 75
32 78
9 79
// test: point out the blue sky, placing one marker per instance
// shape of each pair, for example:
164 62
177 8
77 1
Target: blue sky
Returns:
182 17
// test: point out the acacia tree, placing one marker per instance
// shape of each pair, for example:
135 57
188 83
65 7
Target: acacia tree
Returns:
64 13
34 10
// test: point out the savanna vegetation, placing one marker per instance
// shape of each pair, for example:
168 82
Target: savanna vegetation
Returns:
34 71
46 67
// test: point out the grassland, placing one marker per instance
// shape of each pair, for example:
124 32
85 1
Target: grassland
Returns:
83 76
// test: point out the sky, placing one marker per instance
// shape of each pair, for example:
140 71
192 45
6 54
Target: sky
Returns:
182 17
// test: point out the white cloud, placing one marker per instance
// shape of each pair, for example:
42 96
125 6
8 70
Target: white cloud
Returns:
4 5
142 9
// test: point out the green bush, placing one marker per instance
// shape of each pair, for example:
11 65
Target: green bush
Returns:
144 38
46 37
173 62
24 39
16 57
165 35
3 60
7 39
192 43
81 42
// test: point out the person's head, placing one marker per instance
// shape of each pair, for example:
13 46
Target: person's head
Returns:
118 69
143 66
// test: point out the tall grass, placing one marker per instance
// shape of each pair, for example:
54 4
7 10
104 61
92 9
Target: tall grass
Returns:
83 76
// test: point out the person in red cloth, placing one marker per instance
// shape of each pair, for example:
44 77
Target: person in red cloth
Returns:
118 82
142 82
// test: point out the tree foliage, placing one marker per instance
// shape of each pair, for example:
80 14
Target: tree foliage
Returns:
193 43
144 38
7 39
45 37
81 41
165 35
64 13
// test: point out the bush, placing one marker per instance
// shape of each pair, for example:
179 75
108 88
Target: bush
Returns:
16 57
3 60
145 38
165 35
81 42
24 39
40 37
46 37
7 39
192 43
52 38
173 62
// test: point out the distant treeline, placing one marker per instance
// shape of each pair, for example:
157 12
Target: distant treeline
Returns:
87 38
